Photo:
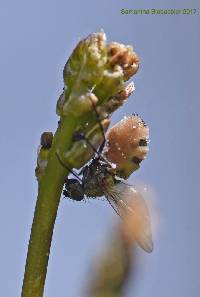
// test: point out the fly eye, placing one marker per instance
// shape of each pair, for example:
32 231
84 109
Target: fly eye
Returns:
71 181
136 160
143 142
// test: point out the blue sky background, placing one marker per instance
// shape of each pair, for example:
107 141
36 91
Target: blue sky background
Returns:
36 39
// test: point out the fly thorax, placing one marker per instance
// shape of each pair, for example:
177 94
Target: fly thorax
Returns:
96 180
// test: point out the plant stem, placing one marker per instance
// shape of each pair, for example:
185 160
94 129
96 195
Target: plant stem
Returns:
49 192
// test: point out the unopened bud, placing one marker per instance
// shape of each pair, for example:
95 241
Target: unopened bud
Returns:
46 140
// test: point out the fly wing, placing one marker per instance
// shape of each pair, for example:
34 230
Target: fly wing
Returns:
131 207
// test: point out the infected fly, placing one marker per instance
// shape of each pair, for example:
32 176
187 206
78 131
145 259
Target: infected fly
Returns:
125 145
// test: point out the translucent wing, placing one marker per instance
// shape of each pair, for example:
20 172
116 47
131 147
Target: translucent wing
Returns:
130 205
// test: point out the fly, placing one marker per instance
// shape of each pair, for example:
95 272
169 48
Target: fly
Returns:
125 146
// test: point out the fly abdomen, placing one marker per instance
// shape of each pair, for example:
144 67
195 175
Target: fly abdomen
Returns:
127 145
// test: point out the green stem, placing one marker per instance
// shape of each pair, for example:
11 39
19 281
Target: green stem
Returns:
50 188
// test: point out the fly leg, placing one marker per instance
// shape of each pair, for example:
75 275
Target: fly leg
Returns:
73 186
69 169
101 128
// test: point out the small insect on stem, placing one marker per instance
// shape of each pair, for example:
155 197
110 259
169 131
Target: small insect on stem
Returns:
124 147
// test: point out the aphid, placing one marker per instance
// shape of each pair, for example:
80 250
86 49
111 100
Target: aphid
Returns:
125 146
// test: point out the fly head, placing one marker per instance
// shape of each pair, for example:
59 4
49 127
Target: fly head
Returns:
73 189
